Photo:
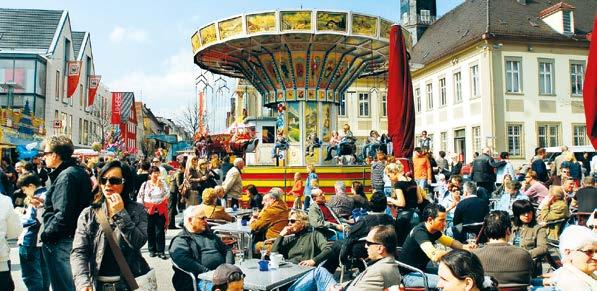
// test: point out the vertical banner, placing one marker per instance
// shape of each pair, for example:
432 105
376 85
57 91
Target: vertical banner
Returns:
590 89
201 112
74 72
94 81
116 103
126 104
400 104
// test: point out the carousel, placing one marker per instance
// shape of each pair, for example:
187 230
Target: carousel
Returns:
301 63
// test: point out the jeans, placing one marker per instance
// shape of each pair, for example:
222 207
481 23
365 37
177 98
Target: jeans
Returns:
316 279
307 203
203 285
57 257
387 190
422 183
33 268
416 280
156 235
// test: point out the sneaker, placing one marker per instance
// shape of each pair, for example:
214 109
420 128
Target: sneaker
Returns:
151 254
163 256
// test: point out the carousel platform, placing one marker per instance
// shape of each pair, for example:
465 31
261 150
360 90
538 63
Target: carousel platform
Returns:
267 177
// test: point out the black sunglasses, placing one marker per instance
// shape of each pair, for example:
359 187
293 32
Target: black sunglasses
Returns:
112 180
236 276
293 221
370 243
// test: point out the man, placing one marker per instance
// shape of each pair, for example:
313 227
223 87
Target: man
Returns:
158 163
507 263
353 246
578 247
535 190
586 197
341 203
228 277
272 219
538 165
68 195
506 169
41 171
555 171
322 217
226 165
442 164
299 244
381 245
418 248
511 194
377 171
233 183
422 167
471 209
424 141
483 172
559 179
196 249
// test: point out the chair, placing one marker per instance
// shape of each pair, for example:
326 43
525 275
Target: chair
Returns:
413 269
193 278
513 287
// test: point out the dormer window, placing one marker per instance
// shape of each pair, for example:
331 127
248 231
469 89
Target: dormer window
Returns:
425 15
567 21
560 17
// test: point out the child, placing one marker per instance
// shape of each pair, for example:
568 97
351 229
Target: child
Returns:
297 191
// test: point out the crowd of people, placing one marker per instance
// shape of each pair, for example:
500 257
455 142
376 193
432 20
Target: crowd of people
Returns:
81 226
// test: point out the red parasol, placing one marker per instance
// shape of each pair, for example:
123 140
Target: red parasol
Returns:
590 90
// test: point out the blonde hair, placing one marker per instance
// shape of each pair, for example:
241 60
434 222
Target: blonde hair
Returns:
300 215
557 192
209 196
315 183
570 156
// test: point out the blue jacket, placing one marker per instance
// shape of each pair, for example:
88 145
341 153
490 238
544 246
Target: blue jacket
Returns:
31 225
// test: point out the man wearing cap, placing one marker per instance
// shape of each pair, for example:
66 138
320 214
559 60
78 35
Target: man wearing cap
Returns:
233 183
228 277
272 219
196 249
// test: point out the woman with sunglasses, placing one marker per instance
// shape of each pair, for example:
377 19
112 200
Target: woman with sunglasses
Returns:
450 202
527 233
154 196
92 259
553 208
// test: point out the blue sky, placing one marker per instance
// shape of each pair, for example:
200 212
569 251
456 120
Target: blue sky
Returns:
144 46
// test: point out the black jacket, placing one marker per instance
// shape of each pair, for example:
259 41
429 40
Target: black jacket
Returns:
196 253
484 168
68 195
355 248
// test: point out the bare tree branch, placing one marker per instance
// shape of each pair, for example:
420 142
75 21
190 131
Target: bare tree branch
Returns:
189 118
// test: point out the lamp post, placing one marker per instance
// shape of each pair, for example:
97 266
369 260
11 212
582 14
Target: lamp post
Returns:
10 87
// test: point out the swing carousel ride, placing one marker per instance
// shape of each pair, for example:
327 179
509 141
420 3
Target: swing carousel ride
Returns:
301 62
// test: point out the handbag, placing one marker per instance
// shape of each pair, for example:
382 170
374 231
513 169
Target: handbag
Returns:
184 188
147 281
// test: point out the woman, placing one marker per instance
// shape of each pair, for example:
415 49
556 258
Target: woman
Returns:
297 191
311 175
255 199
214 166
191 177
575 168
210 207
450 202
358 195
406 197
142 175
92 259
10 227
154 196
461 270
499 191
553 208
206 177
333 145
526 232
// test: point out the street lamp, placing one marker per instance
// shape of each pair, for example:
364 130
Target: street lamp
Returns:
10 87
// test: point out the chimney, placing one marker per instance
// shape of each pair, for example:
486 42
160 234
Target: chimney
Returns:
522 2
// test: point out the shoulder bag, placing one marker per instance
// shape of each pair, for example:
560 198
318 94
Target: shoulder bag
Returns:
146 282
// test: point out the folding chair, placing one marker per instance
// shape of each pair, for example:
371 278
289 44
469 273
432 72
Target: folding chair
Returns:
193 278
416 270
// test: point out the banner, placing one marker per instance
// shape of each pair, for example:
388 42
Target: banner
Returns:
122 102
94 81
590 89
74 72
201 112
116 103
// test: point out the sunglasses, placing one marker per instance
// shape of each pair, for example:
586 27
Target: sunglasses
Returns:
47 153
589 253
236 276
293 221
112 180
370 243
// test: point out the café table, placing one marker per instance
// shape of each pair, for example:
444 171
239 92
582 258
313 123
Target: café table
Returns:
244 231
265 280
241 212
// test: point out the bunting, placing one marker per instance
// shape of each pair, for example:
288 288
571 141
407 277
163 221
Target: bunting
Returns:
74 73
94 81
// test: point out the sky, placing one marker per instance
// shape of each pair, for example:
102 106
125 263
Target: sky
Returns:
144 46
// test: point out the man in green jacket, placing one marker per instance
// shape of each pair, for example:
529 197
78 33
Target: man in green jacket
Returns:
299 244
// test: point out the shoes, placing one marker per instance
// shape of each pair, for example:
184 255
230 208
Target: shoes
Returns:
327 158
151 254
173 227
162 256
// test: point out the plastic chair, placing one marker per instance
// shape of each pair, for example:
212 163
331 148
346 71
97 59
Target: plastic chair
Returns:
193 278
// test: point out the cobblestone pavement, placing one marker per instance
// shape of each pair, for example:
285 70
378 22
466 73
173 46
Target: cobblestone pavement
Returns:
163 268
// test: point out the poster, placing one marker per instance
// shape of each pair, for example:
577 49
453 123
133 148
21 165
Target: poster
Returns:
299 61
364 25
295 20
315 68
293 121
331 21
195 42
230 27
208 34
262 22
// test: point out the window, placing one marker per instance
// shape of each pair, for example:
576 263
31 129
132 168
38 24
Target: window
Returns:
343 104
363 104
548 134
443 140
81 95
429 94
80 131
514 136
384 105
418 99
86 132
425 15
477 139
476 86
57 84
546 80
513 76
577 72
457 87
567 21
579 133
442 92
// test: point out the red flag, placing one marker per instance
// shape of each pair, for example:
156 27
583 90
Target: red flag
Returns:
201 112
116 103
74 72
400 105
94 81
590 90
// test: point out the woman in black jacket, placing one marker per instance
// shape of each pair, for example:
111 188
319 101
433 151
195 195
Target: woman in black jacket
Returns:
91 257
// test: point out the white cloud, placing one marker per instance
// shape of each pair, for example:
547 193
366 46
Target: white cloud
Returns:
120 34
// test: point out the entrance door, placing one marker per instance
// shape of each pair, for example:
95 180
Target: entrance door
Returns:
460 144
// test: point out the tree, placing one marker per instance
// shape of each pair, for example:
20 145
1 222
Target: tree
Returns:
189 118
102 110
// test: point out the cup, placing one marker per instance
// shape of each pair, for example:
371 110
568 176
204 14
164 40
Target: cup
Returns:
263 265
243 222
277 259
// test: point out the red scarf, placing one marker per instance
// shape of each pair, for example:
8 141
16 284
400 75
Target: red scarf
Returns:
161 208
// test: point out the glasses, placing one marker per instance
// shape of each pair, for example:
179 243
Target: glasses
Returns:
202 217
293 221
565 172
47 153
370 243
112 180
236 276
527 177
589 253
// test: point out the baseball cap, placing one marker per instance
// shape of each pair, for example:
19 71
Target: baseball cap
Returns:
224 274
